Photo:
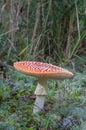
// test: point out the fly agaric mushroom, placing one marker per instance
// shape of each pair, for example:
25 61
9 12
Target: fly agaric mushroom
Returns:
43 71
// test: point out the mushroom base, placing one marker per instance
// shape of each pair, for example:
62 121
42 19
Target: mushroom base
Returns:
40 93
39 104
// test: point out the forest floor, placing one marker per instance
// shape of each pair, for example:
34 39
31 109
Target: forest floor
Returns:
65 107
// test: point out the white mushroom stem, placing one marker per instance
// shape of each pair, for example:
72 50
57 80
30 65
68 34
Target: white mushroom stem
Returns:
40 93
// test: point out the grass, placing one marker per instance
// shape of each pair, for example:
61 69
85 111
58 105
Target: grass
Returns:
65 106
52 31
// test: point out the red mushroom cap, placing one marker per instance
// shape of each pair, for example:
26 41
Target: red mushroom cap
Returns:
40 69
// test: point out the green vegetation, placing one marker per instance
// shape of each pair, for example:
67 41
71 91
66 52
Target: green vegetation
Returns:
66 99
49 31
52 31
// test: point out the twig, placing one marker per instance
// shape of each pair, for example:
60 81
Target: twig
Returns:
12 45
36 25
46 19
68 46
77 17
28 9
12 19
9 31
17 14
